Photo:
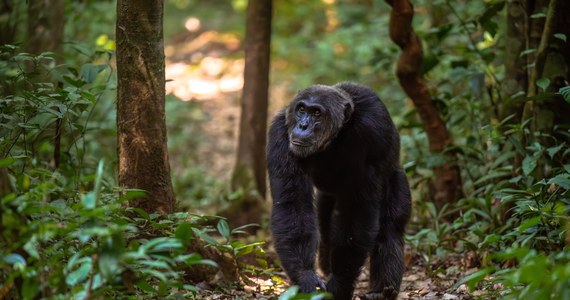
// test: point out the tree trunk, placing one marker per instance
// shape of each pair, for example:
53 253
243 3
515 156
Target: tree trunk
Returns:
551 61
45 34
45 25
9 19
447 178
516 80
250 168
141 128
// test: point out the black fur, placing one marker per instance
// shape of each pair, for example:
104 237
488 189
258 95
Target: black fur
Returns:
362 196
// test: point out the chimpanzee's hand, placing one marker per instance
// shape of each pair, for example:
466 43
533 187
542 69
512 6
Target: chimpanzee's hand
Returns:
309 281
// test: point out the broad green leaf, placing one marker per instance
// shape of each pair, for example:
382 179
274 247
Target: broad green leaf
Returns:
78 275
543 83
553 150
473 279
184 232
562 180
89 71
490 239
30 288
292 291
15 259
109 262
560 36
9 161
529 223
528 164
88 200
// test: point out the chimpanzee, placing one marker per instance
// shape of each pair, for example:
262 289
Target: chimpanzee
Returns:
338 143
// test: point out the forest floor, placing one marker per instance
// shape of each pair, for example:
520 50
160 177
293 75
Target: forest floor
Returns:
205 67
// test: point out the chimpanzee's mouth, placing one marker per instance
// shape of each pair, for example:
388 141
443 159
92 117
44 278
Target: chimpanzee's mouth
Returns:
298 143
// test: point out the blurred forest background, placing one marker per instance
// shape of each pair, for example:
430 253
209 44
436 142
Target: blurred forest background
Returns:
484 120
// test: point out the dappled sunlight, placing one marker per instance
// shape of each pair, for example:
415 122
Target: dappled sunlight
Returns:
192 24
196 67
207 66
212 77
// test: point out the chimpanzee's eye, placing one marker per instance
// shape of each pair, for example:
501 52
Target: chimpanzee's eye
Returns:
316 113
302 109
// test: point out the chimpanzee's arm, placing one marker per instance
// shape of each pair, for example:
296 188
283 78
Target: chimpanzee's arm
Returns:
293 219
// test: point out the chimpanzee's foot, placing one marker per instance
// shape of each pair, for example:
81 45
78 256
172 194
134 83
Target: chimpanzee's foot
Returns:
389 293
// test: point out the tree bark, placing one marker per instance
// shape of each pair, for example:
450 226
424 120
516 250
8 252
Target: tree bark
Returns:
141 128
250 168
447 178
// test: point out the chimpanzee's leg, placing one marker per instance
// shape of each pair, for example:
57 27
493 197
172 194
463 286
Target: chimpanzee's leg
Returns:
387 258
354 237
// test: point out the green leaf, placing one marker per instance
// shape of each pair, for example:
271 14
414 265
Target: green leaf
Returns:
292 291
224 229
562 180
15 259
527 52
109 258
145 286
529 223
30 288
195 259
184 232
205 237
560 36
543 83
9 161
489 239
528 165
89 71
538 15
553 150
473 279
78 275
88 200
241 228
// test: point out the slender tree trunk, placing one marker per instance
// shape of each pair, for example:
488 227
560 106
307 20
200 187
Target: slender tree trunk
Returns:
8 21
516 80
550 63
45 25
45 34
141 128
447 178
250 168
